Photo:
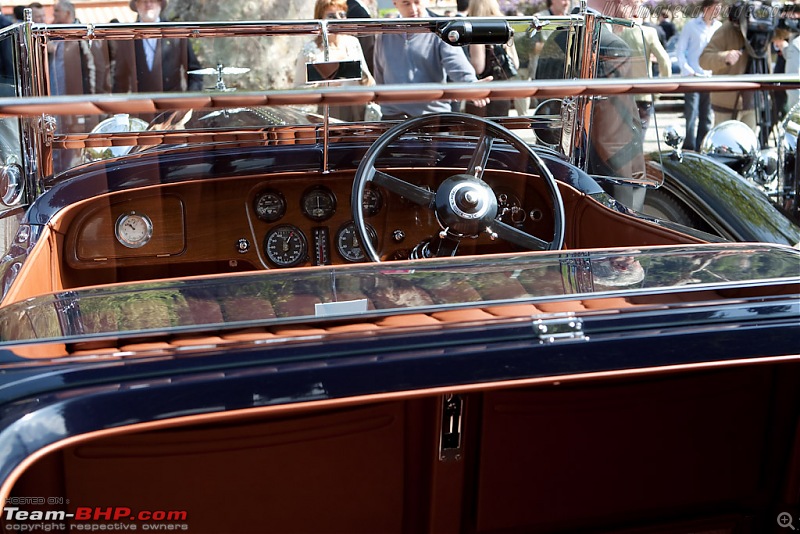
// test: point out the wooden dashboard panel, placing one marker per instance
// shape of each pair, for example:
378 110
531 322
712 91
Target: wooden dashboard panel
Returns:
96 240
211 226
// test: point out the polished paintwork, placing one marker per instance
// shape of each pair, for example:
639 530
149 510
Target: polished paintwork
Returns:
728 203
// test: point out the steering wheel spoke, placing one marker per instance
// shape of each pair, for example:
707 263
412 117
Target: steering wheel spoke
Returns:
516 236
480 157
412 193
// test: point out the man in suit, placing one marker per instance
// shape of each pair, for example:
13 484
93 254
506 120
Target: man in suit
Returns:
356 11
155 65
76 67
67 58
6 60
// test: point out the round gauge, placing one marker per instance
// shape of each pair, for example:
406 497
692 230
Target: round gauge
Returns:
269 205
286 246
318 203
347 242
372 202
509 208
133 230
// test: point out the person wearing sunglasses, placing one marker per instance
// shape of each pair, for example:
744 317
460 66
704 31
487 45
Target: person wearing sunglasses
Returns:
341 47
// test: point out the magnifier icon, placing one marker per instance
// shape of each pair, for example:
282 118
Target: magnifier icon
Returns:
785 520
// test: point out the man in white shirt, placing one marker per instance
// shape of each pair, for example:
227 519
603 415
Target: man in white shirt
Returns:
419 58
693 39
792 55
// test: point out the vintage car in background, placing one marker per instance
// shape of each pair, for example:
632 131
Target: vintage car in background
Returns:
254 318
765 158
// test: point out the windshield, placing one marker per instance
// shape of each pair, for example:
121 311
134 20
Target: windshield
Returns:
375 290
236 63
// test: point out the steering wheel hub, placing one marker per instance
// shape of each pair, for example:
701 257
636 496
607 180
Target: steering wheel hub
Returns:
462 202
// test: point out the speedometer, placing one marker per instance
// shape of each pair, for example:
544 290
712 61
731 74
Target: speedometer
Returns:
286 246
347 242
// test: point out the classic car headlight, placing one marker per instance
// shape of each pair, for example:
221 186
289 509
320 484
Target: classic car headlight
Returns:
790 142
791 122
767 166
734 144
11 184
791 129
119 123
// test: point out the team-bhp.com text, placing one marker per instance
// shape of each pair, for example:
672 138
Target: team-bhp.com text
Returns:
118 518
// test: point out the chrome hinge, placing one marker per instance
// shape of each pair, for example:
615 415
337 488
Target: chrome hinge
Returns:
450 432
47 126
560 329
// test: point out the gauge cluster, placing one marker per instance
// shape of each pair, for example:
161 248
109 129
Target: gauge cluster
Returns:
285 223
290 241
296 224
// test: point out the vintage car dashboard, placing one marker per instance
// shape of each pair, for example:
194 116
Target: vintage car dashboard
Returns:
250 223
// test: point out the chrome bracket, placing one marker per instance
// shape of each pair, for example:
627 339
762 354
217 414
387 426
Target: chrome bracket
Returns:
560 329
450 434
47 126
569 113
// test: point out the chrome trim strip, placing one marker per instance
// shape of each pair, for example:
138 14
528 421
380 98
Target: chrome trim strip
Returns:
136 103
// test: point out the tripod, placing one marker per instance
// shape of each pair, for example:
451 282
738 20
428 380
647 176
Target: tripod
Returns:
757 46
762 100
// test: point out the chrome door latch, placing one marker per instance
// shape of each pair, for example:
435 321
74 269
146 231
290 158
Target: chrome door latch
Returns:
560 329
450 434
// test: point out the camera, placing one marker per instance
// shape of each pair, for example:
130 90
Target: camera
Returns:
760 20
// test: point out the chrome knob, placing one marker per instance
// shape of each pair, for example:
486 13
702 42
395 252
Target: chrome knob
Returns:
470 198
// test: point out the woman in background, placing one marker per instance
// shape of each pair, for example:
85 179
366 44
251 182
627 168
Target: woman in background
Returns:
485 57
340 48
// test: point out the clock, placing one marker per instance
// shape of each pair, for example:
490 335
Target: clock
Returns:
133 230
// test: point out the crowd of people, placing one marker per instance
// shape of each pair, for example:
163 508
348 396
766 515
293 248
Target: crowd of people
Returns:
705 46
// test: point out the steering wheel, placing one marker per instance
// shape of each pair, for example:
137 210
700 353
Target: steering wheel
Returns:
464 204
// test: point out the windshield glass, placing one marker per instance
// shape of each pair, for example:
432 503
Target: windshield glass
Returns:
235 65
619 122
373 290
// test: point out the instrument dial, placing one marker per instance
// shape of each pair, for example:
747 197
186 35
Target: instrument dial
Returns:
509 207
269 205
372 202
347 242
286 246
318 203
133 230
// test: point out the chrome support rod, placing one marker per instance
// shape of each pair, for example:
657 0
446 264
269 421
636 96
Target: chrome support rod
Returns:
325 107
33 83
